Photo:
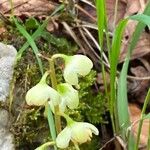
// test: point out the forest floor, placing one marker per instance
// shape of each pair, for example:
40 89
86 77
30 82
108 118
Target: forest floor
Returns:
73 30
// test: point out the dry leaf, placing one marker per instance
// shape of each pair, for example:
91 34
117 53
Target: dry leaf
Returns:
2 30
142 48
37 8
52 25
110 6
127 8
135 113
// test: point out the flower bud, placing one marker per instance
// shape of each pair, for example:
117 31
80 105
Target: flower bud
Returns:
79 132
74 66
41 93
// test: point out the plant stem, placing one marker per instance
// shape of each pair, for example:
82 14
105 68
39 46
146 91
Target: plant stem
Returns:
54 85
76 146
68 119
115 13
43 146
12 9
147 99
148 141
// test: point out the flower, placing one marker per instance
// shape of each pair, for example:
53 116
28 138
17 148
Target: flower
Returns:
78 132
69 97
41 93
74 66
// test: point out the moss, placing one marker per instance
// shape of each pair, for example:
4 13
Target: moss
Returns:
93 104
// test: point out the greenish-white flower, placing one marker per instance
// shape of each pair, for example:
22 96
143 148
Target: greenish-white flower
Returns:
78 132
69 97
41 93
74 66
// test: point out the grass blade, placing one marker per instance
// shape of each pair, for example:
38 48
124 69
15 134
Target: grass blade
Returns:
51 124
101 12
147 116
114 56
141 18
147 99
122 85
38 32
30 40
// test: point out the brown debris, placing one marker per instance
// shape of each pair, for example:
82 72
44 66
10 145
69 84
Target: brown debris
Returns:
142 48
36 8
110 7
138 88
127 8
135 113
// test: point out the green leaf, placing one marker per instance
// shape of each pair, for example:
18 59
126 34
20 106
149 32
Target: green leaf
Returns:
147 116
30 40
100 8
114 56
141 18
122 83
51 123
39 31
31 24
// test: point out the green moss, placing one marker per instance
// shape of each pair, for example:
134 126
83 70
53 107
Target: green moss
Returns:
29 125
93 104
59 44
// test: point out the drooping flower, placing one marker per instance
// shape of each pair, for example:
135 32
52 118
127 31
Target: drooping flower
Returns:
41 93
69 97
78 132
74 66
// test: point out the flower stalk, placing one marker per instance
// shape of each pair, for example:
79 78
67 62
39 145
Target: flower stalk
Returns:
45 145
76 145
54 85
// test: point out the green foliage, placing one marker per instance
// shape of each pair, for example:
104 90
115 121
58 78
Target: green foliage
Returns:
31 24
122 86
93 104
38 32
30 126
60 44
30 40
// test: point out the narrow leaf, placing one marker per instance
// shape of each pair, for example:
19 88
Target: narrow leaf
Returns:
147 116
114 56
30 40
100 8
38 32
122 85
51 124
141 18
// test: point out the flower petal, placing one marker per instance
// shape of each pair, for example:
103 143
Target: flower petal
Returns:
91 127
70 75
82 132
54 96
74 65
63 138
79 133
82 64
38 95
69 95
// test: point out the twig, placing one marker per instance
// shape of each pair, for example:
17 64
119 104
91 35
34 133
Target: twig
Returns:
70 31
85 12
